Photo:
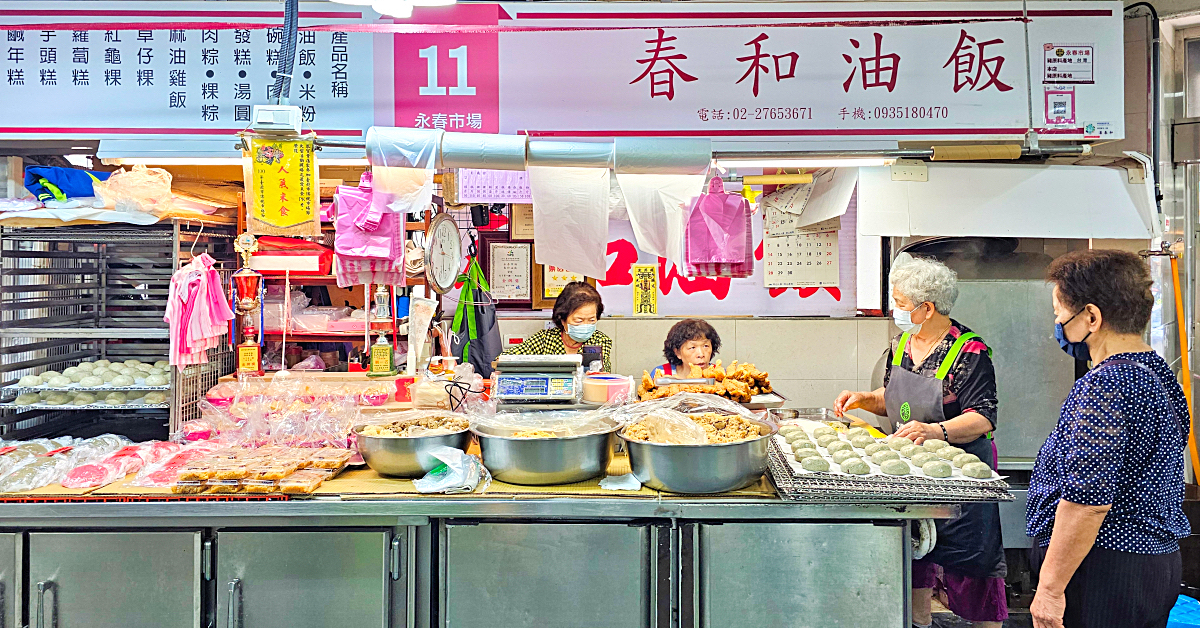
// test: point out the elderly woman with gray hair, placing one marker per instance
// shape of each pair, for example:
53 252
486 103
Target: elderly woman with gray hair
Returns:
940 385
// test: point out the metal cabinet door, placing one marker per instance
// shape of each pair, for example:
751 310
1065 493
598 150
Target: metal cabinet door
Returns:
117 579
800 574
310 579
563 575
10 578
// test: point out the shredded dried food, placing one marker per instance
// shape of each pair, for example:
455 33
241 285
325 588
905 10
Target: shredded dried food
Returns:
533 434
718 428
409 428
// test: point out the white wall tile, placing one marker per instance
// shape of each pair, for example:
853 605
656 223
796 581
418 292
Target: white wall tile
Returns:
638 344
812 393
800 349
873 341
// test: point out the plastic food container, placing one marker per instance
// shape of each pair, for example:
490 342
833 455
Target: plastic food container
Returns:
305 481
224 486
183 487
329 458
260 486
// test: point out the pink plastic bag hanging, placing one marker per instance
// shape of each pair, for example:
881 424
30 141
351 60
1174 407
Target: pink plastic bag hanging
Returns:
364 228
718 239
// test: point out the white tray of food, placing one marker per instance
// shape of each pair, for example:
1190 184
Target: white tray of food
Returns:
857 441
99 376
88 399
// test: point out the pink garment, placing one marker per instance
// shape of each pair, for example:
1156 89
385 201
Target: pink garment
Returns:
198 312
718 239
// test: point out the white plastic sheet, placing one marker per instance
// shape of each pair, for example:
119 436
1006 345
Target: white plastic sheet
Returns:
656 205
404 148
570 218
402 190
570 154
483 150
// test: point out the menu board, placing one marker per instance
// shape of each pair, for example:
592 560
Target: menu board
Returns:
509 266
808 260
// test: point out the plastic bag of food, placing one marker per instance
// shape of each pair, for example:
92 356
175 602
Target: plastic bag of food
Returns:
164 472
53 466
332 424
294 427
141 189
311 363
668 427
458 473
128 459
429 392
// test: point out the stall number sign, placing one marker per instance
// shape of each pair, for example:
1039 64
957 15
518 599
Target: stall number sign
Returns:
1068 63
284 181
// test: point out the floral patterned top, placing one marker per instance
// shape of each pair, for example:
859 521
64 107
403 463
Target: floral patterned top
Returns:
970 386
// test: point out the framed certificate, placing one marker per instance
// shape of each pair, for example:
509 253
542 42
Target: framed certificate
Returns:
509 270
548 283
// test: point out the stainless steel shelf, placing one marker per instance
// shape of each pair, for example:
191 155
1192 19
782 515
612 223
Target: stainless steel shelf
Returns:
122 333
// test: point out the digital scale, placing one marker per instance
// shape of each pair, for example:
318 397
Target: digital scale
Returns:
538 379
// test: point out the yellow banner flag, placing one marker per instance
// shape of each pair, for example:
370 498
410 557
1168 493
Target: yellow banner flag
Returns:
645 290
283 182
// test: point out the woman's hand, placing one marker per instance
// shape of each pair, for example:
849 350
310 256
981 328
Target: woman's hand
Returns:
919 432
1048 608
850 400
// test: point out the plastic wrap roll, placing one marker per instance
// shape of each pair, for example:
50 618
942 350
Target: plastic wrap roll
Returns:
403 148
602 388
637 155
570 154
483 150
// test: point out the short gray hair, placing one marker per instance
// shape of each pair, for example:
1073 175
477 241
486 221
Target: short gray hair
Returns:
921 280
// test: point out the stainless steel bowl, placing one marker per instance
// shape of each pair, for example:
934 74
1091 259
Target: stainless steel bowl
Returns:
715 468
543 461
406 457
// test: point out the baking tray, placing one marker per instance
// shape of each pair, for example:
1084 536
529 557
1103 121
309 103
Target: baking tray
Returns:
76 388
765 402
90 406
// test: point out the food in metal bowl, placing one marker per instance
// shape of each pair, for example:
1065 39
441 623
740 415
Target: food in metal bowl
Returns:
533 434
718 428
410 428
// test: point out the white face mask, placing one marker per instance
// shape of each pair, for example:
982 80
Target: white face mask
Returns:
903 320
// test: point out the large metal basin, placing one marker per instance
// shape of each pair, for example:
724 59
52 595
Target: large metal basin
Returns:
406 457
700 468
544 461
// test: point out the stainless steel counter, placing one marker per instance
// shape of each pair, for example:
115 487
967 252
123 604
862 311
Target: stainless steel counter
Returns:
456 561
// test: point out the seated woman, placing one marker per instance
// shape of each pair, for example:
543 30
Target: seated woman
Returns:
576 311
691 342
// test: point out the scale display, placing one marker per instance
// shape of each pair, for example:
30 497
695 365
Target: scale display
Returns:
520 386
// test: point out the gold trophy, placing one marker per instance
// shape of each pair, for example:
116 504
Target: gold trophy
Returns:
247 289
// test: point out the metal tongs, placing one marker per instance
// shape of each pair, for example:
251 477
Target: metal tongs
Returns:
671 381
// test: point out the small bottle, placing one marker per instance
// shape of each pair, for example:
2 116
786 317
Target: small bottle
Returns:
381 355
382 309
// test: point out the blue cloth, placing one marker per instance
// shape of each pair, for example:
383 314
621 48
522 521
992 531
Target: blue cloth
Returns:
49 183
1118 442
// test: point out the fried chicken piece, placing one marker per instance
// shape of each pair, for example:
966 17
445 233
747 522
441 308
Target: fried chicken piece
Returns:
647 381
714 371
737 390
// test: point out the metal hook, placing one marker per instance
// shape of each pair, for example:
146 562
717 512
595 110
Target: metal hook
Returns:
192 251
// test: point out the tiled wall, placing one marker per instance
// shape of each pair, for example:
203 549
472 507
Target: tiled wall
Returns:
810 360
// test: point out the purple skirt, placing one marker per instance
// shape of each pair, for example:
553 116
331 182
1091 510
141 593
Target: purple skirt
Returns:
973 599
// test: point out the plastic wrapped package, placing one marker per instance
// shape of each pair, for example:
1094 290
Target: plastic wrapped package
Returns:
306 481
294 427
311 363
128 459
316 319
222 394
274 316
53 466
188 487
164 472
141 189
273 469
223 486
328 458
260 486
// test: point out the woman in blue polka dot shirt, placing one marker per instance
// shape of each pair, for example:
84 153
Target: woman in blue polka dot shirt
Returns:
1105 500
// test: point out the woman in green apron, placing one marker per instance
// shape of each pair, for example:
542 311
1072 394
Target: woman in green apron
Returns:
940 384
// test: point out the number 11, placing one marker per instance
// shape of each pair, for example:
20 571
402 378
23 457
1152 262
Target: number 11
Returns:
431 87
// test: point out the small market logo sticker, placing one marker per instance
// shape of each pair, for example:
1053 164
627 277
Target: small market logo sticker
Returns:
1089 128
905 411
1059 52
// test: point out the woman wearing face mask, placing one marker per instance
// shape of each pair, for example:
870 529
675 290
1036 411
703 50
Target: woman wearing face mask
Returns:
1106 496
940 384
576 311
691 342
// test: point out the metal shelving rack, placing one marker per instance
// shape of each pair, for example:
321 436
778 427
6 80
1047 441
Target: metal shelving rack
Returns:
75 293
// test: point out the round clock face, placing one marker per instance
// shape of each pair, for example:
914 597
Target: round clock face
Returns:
443 255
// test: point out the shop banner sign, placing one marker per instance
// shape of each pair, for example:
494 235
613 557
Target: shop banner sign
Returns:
763 74
283 184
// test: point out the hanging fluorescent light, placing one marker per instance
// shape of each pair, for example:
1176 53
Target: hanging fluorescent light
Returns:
849 162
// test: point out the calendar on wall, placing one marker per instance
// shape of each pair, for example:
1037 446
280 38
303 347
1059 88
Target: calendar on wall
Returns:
808 260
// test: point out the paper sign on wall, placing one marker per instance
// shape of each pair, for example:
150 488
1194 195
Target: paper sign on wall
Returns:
554 279
1068 63
1060 106
520 222
645 290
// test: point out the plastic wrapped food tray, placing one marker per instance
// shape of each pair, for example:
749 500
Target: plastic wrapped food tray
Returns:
89 406
223 486
328 458
187 487
305 481
260 486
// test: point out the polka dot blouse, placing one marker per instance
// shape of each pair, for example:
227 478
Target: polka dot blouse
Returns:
1119 440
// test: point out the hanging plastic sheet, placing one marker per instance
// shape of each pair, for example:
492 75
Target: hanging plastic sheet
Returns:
483 150
570 154
657 203
404 148
570 217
